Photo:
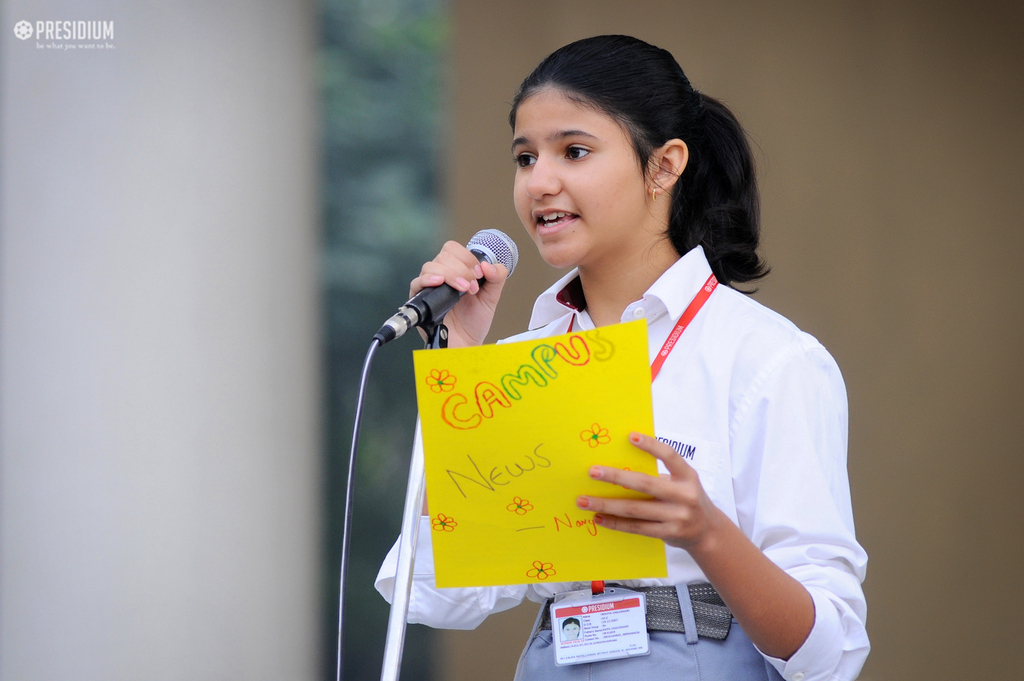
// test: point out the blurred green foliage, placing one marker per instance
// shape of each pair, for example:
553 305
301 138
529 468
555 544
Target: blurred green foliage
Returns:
380 70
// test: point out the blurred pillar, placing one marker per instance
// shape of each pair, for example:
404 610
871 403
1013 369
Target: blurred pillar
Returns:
159 455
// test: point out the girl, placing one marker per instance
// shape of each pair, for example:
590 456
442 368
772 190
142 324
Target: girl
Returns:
645 188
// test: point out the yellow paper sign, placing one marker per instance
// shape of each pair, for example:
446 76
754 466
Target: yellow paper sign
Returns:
509 434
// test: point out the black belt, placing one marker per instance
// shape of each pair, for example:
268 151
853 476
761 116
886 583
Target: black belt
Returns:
710 613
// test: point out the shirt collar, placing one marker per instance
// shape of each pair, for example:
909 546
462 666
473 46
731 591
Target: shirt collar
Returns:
674 289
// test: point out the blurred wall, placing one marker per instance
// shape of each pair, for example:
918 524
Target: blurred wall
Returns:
159 419
890 143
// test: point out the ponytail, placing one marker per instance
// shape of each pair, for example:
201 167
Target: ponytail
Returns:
715 202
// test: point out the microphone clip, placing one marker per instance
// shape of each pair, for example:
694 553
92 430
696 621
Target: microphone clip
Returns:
437 335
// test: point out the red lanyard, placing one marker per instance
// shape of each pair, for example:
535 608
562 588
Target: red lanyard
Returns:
688 314
691 311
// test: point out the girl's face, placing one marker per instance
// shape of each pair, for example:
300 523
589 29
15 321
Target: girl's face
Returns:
578 189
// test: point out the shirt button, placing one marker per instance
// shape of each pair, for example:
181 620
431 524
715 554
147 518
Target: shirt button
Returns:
638 312
799 676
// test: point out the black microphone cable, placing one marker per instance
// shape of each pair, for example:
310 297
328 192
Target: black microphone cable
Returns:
349 486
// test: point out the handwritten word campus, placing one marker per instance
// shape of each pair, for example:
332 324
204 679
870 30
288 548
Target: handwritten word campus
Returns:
462 413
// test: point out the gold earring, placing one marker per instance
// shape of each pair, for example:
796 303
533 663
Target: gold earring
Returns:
654 195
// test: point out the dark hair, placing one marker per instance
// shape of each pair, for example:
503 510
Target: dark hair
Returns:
715 202
570 620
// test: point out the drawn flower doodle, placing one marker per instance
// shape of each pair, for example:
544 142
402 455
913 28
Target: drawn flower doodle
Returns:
519 506
443 523
596 435
440 381
541 570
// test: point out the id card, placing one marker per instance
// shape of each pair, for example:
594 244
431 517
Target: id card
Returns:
608 626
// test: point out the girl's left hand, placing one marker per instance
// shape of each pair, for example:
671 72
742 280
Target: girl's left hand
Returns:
679 512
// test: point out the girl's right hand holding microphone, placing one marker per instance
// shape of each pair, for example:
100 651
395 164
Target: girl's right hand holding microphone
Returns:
470 319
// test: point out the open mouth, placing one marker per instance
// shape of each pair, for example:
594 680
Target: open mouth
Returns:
553 219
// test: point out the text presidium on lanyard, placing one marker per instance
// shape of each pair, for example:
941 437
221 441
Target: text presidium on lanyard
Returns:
598 625
691 311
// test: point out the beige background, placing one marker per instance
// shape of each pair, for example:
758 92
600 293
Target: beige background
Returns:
890 150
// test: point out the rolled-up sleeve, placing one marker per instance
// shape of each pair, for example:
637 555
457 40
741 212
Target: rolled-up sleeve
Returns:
789 440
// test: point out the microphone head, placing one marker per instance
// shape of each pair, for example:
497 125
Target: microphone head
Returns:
497 247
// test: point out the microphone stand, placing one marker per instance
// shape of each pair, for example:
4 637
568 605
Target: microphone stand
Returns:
414 494
488 245
437 337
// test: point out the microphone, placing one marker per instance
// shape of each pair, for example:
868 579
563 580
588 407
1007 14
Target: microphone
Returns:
429 306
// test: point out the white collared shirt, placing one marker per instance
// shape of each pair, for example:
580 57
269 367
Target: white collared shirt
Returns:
759 409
